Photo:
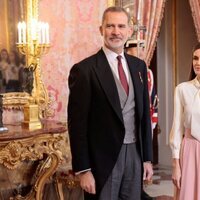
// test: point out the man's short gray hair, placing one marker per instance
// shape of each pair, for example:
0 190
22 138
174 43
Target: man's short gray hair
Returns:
116 9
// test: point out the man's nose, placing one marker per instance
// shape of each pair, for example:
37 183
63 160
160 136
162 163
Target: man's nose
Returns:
115 30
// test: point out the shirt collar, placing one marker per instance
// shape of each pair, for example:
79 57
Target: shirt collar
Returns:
111 54
196 82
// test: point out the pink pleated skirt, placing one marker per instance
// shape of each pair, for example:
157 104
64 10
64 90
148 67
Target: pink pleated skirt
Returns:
190 168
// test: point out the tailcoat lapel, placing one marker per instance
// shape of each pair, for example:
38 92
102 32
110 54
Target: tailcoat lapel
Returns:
106 79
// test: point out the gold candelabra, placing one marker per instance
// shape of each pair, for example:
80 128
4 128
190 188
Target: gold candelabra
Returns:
38 42
33 41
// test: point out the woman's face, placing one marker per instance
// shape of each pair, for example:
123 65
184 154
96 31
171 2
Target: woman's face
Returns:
4 55
196 62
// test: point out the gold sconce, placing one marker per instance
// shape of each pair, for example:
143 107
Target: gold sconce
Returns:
33 41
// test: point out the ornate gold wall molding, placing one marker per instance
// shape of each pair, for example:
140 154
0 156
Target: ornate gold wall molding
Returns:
4 36
111 3
39 92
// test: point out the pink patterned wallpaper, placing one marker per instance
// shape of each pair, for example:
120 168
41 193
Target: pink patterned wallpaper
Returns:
74 35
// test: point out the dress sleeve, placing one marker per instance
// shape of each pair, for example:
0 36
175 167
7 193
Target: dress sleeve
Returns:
176 134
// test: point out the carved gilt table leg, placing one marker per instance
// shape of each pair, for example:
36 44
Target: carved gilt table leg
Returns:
45 148
47 170
44 171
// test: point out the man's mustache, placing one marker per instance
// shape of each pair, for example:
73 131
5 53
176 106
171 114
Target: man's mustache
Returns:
116 38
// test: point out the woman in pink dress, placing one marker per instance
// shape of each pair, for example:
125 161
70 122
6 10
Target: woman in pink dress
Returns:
185 134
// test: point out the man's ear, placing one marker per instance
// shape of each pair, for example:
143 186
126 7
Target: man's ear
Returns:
101 30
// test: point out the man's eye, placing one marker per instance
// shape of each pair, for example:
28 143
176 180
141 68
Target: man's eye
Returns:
195 58
109 25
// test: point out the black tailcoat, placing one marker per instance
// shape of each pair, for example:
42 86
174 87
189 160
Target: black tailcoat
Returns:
95 121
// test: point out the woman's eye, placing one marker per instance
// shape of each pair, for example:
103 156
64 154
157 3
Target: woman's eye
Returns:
195 58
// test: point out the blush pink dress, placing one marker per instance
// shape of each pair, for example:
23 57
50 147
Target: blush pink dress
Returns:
190 168
184 145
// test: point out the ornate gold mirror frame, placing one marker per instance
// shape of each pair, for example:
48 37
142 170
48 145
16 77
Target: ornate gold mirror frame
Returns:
39 95
111 3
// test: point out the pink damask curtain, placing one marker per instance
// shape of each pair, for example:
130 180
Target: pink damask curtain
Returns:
150 15
74 35
195 7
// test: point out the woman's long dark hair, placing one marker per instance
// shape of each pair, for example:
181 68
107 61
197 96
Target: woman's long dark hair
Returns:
192 73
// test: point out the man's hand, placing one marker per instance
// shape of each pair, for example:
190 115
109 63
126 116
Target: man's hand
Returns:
176 173
148 171
87 182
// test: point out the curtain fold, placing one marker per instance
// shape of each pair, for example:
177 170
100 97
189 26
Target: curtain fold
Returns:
150 15
195 8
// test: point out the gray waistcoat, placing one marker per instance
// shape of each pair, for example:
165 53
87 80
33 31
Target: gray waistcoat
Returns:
128 110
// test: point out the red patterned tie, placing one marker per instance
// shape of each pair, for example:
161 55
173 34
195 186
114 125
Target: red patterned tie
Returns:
122 75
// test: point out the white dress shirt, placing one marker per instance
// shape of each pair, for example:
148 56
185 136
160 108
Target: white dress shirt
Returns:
113 62
186 114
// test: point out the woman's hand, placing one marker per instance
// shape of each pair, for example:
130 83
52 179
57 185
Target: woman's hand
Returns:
176 173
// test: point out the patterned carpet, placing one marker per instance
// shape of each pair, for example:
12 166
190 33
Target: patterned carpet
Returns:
161 187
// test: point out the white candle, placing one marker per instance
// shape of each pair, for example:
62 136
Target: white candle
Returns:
47 33
24 32
19 32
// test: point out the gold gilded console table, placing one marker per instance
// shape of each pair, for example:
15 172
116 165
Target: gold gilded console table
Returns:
43 145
